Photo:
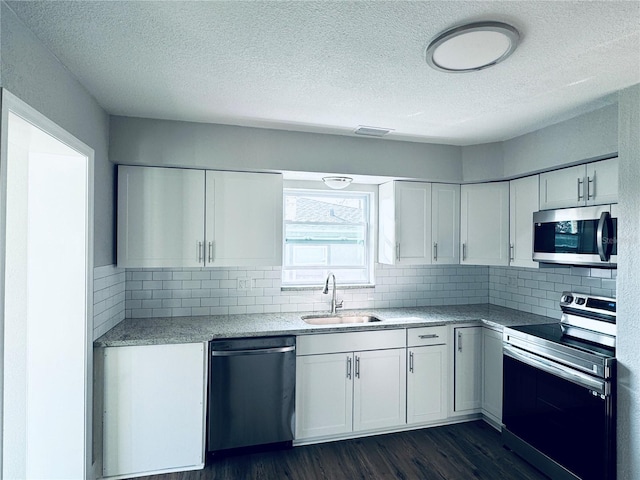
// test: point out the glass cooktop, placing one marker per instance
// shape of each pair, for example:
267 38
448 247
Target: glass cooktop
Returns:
555 333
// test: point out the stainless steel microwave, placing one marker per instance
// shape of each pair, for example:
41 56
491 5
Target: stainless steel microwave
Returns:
577 236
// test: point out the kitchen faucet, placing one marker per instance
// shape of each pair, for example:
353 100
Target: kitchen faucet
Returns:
334 305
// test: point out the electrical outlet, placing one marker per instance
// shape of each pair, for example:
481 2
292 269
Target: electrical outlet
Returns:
244 283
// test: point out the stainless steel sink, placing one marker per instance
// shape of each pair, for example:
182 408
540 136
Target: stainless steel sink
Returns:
338 319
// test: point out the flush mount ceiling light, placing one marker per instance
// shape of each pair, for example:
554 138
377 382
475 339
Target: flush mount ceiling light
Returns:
472 47
337 182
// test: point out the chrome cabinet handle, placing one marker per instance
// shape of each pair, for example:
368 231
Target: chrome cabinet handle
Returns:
580 183
435 251
431 335
411 362
210 252
398 251
460 341
200 252
511 252
349 367
589 182
357 367
464 252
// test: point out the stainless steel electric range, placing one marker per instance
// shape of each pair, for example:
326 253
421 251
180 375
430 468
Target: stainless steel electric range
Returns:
559 390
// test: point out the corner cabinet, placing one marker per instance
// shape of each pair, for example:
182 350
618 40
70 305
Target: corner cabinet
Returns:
418 223
523 201
591 184
154 409
484 224
173 217
349 382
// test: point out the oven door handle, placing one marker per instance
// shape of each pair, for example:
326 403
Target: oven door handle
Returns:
557 370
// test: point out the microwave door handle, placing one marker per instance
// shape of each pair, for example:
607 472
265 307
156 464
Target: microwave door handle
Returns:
605 246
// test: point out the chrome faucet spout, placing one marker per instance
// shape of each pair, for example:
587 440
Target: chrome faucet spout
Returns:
334 304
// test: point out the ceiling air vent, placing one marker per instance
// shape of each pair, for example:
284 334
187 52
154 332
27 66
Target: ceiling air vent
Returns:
372 131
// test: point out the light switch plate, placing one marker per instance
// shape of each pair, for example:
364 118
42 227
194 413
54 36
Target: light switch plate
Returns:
244 283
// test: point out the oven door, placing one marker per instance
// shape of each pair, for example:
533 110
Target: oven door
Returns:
563 416
576 236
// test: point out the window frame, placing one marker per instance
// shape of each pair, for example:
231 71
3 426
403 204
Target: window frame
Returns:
314 189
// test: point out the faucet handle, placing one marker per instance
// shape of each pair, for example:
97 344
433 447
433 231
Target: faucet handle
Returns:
339 304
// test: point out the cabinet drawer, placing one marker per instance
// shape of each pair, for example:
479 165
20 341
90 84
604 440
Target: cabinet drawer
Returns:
350 342
427 336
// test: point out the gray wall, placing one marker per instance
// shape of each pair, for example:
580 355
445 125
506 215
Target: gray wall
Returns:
137 141
593 135
628 353
33 74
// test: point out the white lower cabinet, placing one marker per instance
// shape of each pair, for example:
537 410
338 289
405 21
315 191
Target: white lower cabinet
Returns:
324 395
468 369
492 374
427 374
343 392
154 409
379 389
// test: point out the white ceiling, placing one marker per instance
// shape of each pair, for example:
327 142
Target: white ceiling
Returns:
329 66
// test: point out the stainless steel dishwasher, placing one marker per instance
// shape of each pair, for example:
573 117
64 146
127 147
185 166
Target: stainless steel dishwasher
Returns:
251 392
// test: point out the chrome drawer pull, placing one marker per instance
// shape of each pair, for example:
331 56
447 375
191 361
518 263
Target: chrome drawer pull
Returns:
431 335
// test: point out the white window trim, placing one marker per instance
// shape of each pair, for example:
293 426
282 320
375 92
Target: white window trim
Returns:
372 190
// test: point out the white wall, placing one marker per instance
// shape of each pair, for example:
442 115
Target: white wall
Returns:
138 141
33 74
628 353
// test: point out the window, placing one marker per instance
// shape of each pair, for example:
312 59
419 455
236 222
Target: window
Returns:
326 232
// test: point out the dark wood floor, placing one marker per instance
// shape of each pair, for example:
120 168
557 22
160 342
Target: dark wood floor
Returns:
455 452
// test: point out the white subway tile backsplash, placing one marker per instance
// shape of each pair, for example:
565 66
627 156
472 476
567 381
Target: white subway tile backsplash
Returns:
530 290
539 291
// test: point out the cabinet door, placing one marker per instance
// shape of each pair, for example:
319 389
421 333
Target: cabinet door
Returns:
413 223
160 217
154 408
563 188
602 182
468 373
523 201
324 395
426 384
387 224
484 225
379 389
243 219
492 373
445 221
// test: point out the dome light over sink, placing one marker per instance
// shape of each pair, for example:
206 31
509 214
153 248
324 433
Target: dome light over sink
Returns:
472 47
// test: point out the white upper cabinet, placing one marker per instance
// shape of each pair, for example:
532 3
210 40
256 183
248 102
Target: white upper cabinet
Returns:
445 221
591 184
160 217
602 182
523 201
172 217
484 224
243 219
418 223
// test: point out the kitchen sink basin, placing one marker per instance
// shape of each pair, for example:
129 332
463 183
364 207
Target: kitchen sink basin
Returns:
337 319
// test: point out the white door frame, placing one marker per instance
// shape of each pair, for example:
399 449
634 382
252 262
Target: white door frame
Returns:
11 103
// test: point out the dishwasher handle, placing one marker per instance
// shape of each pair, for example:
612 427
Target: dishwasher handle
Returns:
253 351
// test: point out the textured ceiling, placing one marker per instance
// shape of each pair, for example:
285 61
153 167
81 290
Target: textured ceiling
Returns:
331 66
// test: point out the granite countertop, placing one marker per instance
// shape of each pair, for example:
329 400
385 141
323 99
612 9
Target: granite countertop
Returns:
156 331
